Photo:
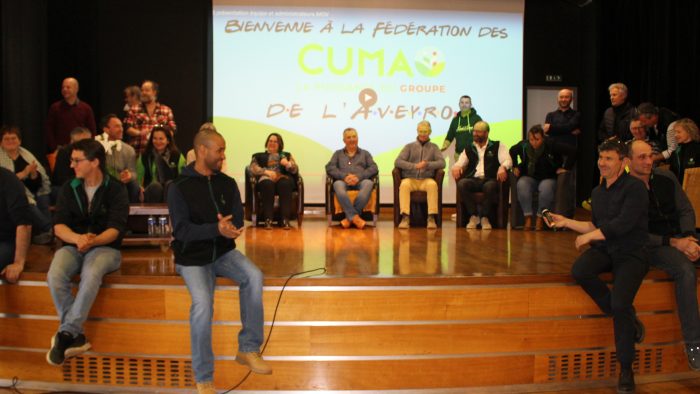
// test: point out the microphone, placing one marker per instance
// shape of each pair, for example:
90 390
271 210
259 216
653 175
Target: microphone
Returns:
548 215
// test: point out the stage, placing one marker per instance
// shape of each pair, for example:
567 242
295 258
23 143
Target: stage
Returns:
420 310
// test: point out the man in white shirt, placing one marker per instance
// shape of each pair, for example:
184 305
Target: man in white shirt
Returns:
479 169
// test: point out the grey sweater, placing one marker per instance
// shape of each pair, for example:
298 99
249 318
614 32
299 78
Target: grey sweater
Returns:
413 153
361 164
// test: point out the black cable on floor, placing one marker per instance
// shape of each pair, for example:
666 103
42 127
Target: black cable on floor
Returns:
12 387
274 317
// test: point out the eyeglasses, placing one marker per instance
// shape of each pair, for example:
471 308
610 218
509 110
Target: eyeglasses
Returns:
76 161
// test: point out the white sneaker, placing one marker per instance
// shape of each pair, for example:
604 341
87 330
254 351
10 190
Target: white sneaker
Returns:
405 222
473 222
485 225
453 217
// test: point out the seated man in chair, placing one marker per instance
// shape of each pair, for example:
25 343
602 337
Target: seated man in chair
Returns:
352 168
418 162
479 169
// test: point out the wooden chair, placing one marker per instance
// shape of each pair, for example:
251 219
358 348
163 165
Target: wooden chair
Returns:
419 201
253 201
334 212
691 187
498 216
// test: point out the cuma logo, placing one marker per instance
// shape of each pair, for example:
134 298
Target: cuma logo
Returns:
430 62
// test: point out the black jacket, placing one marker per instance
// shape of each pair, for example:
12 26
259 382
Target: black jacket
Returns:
685 156
194 200
556 155
14 207
109 208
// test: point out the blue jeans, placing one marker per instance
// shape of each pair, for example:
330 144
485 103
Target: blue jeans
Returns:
201 281
682 270
341 191
545 194
92 267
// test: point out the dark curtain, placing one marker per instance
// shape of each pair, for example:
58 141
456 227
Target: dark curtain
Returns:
23 61
652 47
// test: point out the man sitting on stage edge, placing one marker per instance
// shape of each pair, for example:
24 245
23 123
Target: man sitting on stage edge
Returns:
618 237
352 168
15 226
207 216
90 218
480 167
418 162
672 243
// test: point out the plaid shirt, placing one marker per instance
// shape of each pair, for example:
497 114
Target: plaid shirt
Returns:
139 119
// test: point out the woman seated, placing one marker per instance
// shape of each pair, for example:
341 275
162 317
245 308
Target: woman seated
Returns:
687 155
37 183
275 171
159 164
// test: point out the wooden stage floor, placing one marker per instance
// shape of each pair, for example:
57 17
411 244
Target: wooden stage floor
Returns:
448 255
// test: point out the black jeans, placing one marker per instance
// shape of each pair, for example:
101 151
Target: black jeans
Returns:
283 188
628 270
682 270
467 186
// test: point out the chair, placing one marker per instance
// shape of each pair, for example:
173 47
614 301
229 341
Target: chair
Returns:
498 216
334 212
419 201
691 187
253 201
563 199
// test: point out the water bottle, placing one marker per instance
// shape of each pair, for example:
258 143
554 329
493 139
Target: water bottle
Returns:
162 225
151 225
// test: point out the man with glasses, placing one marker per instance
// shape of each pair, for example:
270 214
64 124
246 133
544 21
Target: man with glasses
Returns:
90 219
639 133
617 236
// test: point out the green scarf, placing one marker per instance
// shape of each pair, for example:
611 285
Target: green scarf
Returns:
532 156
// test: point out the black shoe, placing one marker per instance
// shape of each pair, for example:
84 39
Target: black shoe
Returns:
59 344
268 224
625 383
286 225
693 353
78 345
639 330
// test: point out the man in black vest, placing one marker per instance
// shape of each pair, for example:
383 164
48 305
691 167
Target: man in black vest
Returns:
616 119
479 168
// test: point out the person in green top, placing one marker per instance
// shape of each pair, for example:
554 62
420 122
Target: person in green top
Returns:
159 164
462 126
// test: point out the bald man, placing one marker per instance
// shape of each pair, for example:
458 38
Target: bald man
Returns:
207 216
67 114
563 124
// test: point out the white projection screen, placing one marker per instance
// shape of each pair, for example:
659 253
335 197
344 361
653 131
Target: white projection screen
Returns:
308 70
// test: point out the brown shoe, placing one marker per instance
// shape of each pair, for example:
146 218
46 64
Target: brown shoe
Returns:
539 224
345 223
254 361
358 222
528 223
206 388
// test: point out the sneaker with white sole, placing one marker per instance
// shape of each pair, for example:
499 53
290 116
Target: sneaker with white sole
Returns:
431 222
473 222
485 224
59 344
77 346
405 222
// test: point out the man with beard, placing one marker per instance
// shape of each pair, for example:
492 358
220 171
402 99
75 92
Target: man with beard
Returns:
143 117
564 124
121 157
207 216
462 126
617 236
479 169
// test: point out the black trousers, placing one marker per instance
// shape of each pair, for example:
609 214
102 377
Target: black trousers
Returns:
467 186
628 270
268 189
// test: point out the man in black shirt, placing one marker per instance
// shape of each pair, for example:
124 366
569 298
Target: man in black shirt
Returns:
672 243
15 226
617 236
564 124
616 119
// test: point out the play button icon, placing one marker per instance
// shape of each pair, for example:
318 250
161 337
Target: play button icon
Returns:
368 97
